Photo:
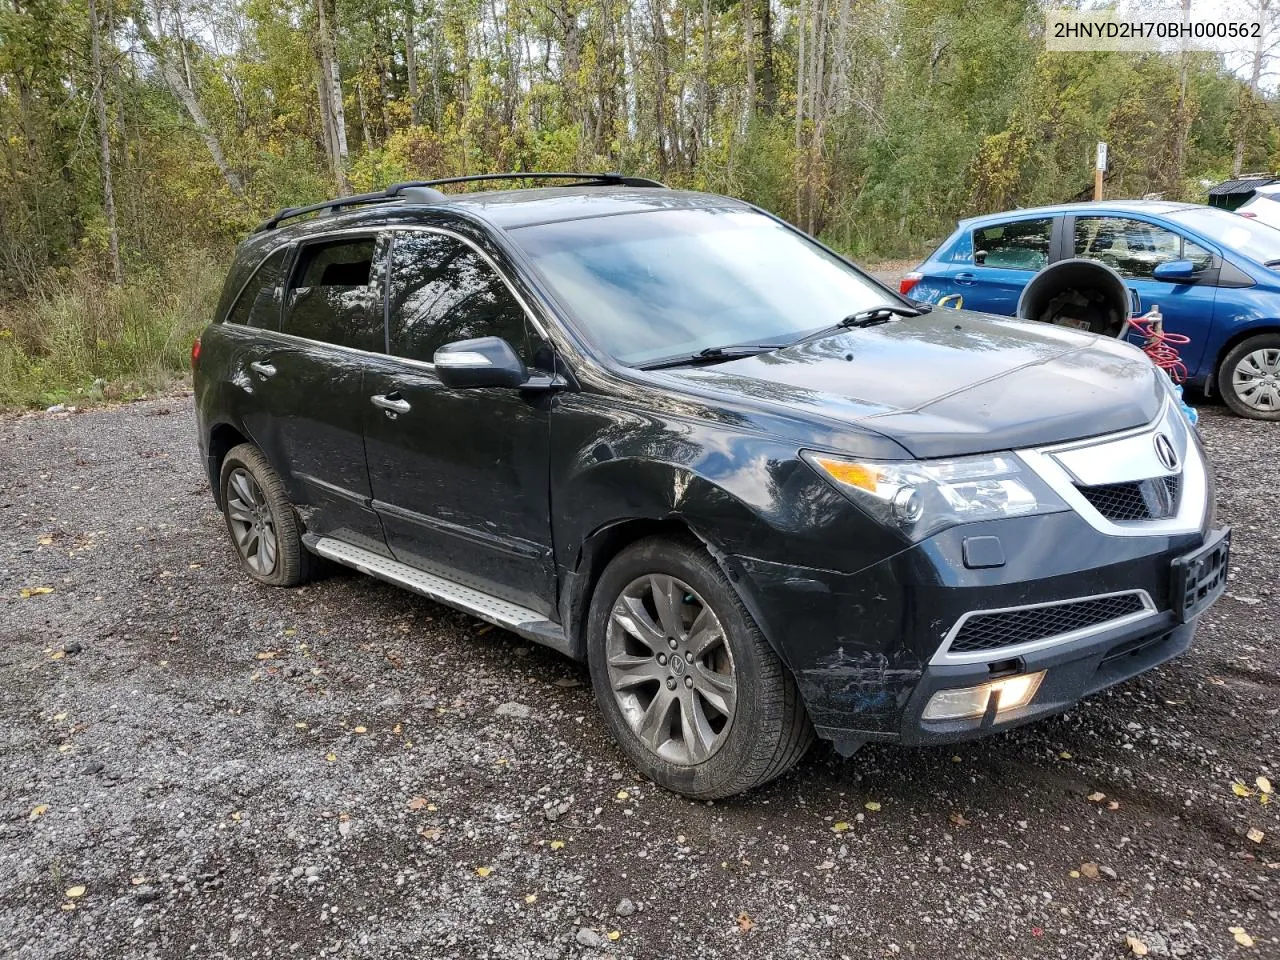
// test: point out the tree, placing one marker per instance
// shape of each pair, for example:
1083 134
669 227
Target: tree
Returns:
104 142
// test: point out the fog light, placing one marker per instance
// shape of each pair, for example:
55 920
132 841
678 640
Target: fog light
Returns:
972 701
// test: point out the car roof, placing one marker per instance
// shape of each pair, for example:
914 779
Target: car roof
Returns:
1151 207
511 209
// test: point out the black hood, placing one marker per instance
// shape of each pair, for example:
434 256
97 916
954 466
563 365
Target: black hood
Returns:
951 382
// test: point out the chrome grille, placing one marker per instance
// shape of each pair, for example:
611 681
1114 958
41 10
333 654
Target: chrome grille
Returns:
992 631
1152 499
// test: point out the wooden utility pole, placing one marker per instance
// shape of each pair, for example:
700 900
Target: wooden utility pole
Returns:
1099 169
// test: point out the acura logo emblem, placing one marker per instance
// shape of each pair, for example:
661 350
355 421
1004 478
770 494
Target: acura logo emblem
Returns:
1164 450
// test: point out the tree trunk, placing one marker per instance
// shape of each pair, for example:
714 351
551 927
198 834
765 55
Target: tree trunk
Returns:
185 96
768 79
331 100
660 84
411 61
707 24
749 52
802 70
104 145
1181 119
1255 77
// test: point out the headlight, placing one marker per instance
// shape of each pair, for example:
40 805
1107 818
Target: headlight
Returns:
921 497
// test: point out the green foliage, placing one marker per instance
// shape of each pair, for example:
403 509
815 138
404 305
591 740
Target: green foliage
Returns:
913 113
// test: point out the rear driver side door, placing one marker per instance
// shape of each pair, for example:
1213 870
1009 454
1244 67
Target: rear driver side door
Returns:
311 383
459 476
1005 258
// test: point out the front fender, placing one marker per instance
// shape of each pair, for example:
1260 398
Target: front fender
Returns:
745 495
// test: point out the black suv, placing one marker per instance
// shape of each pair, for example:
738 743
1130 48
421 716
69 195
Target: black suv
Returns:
762 495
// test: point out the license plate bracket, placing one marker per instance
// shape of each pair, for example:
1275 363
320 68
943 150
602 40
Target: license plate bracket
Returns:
1200 577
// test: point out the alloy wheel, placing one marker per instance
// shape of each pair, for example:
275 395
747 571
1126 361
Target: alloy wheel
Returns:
1256 379
671 669
252 523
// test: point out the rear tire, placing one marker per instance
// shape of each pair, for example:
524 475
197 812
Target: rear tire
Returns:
713 713
265 529
1249 377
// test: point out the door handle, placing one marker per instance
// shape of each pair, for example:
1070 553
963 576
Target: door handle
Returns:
966 279
392 403
263 368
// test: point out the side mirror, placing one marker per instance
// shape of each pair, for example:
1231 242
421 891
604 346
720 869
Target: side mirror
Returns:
482 362
1174 271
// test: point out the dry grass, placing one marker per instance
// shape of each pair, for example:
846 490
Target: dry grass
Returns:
80 339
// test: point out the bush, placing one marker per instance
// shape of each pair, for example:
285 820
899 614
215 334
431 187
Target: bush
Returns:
80 338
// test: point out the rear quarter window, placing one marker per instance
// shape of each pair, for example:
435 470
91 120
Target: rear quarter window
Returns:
258 304
961 249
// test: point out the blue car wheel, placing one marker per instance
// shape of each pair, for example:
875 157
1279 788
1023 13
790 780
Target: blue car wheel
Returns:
1249 377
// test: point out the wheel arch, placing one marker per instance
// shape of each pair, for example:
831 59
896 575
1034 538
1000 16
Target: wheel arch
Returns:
1233 341
222 438
610 539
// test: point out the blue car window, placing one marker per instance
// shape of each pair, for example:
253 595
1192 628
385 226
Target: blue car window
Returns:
1134 248
1017 245
962 250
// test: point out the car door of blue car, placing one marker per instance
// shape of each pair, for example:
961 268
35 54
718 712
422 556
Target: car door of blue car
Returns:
1134 247
1006 255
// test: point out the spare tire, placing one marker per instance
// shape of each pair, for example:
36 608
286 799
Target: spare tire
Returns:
1083 294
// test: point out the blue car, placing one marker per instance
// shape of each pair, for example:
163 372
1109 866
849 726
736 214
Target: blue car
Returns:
1214 275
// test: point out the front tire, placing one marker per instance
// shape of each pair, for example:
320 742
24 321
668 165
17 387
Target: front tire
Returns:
688 685
1249 377
263 525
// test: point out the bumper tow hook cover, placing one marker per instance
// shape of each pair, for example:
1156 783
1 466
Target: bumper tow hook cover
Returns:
983 552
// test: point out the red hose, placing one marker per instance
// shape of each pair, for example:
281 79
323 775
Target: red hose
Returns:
1159 346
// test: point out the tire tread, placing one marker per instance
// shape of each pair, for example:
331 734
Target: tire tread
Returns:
295 564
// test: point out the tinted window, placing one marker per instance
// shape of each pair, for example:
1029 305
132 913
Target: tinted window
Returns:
648 286
259 302
442 291
335 295
1134 247
1019 245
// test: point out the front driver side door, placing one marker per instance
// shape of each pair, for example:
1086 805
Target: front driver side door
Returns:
1134 248
459 476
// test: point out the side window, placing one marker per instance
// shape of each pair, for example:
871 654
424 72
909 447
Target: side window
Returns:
441 291
1018 245
335 294
1134 247
259 302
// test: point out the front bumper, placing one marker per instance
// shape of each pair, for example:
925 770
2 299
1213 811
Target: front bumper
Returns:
1073 670
864 647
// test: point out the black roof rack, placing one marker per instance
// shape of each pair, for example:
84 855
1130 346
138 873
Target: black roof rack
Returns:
421 191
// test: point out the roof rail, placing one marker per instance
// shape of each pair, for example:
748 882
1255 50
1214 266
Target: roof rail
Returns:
420 191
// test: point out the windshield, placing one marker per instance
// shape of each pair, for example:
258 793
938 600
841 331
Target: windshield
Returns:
1255 240
648 286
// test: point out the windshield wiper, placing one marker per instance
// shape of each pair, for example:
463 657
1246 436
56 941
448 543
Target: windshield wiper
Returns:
734 351
867 318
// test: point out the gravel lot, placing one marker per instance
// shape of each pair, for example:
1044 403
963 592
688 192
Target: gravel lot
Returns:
223 770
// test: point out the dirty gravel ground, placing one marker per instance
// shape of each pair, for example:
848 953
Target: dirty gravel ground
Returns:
235 771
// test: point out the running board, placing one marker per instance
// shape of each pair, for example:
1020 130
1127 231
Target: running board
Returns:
502 613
